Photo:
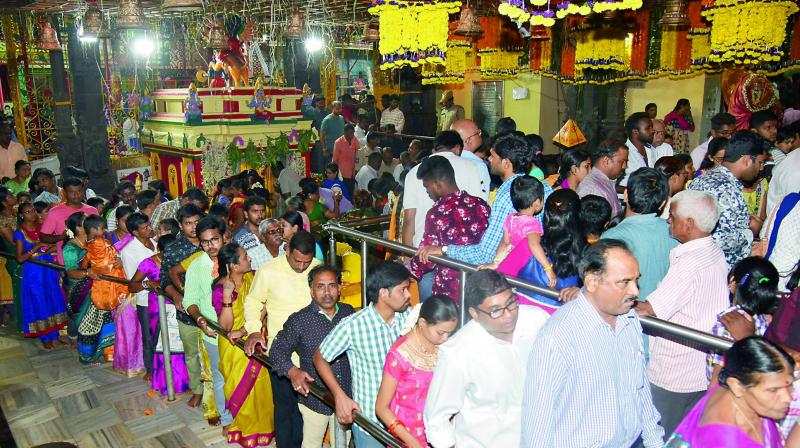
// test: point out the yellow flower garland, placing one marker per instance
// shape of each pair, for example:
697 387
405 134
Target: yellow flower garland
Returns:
748 32
669 45
452 72
413 34
499 64
601 49
701 46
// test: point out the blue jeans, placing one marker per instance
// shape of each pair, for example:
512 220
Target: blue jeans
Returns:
225 417
364 440
426 285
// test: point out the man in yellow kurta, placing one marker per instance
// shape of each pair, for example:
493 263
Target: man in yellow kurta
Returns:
281 288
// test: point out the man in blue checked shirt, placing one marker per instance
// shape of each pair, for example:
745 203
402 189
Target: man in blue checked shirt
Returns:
510 158
586 382
365 338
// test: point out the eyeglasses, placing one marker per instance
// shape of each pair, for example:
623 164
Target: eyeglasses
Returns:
497 312
216 240
473 135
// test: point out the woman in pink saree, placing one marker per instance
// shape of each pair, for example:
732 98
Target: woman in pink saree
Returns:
755 390
248 391
408 371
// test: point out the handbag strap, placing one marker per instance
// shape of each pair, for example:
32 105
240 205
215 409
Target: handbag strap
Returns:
785 207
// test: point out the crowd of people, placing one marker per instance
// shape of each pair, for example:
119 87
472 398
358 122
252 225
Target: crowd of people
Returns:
706 239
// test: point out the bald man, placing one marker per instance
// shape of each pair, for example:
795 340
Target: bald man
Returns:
471 136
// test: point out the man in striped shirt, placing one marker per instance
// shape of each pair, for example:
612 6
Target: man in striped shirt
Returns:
365 337
692 294
586 384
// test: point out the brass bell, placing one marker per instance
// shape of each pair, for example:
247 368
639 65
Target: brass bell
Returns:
217 39
296 27
675 14
92 21
468 24
371 32
181 5
48 38
131 15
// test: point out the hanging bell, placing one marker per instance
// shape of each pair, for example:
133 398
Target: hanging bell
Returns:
296 26
92 21
371 32
181 5
468 24
131 15
48 38
217 39
675 14
540 32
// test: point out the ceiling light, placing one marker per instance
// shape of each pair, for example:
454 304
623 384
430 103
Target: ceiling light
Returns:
143 46
314 44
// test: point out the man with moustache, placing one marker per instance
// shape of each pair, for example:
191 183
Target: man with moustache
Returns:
639 130
302 334
693 293
586 384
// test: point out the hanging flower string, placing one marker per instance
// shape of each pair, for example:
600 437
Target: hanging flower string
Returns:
601 49
452 72
748 32
545 12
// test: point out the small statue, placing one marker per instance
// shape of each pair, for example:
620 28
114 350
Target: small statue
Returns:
192 105
145 106
130 133
261 103
216 73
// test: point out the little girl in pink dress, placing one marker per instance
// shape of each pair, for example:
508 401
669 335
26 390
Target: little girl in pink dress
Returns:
527 195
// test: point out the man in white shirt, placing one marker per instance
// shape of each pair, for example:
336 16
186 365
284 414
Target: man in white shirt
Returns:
361 130
141 247
475 397
368 171
393 115
389 162
373 138
289 182
660 147
471 136
416 201
723 125
639 129
785 180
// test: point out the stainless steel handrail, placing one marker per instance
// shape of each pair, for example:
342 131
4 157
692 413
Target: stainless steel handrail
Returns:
651 324
368 425
375 431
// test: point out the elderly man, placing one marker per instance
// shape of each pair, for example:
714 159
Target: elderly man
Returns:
609 161
475 397
280 288
450 112
471 136
743 161
639 130
271 233
723 125
660 147
692 294
595 336
389 164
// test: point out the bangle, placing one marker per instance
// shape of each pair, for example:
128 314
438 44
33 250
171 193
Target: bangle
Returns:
227 304
549 267
197 321
144 284
395 424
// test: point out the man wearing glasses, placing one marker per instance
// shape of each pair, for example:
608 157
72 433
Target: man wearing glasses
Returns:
586 383
723 125
480 374
471 136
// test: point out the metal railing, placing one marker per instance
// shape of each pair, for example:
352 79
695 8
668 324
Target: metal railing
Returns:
368 425
651 324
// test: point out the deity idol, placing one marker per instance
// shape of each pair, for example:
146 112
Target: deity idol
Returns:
261 103
192 105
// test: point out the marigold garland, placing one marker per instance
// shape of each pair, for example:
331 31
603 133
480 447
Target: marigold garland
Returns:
601 49
499 64
669 46
452 72
701 46
544 14
748 32
413 33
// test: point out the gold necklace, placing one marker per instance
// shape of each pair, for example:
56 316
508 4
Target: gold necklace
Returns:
757 433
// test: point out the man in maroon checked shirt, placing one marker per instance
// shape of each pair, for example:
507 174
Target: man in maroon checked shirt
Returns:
456 218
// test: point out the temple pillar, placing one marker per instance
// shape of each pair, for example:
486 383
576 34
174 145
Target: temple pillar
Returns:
66 143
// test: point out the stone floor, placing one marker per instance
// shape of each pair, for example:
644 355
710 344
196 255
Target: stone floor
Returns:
51 397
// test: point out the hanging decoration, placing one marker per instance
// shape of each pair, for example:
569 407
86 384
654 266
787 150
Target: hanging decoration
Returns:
499 64
412 34
569 135
601 49
131 15
452 72
701 46
48 38
748 32
468 23
545 12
